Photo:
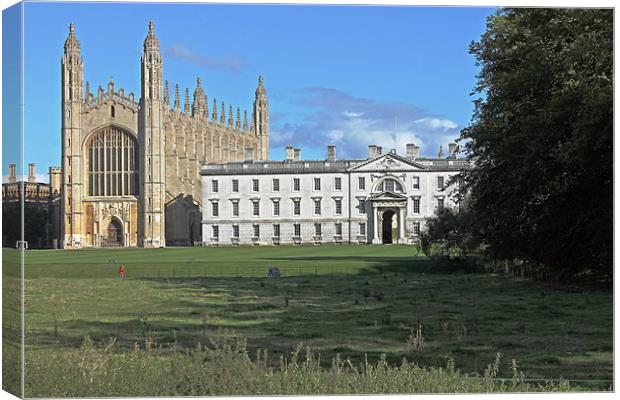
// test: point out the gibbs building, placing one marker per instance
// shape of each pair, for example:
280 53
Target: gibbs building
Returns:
131 165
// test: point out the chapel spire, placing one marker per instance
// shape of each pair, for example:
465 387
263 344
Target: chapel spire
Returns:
177 97
72 44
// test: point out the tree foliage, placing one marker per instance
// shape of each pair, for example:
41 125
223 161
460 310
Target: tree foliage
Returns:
449 232
541 188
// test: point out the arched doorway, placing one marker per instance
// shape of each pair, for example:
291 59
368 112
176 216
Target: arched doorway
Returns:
114 234
388 226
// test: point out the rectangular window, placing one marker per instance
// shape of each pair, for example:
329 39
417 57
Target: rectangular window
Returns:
235 208
337 183
255 185
317 229
276 208
235 232
235 185
296 185
296 230
317 206
363 228
215 209
256 229
416 228
338 206
338 229
216 231
440 182
416 205
296 207
255 208
416 182
317 183
361 206
276 230
440 204
276 185
361 183
214 186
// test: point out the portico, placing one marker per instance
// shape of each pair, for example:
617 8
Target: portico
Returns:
388 218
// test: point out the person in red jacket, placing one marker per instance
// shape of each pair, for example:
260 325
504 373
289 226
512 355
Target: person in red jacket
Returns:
121 271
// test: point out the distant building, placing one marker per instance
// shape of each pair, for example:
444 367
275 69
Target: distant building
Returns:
41 203
382 199
130 163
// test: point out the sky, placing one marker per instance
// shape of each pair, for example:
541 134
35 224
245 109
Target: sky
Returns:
344 75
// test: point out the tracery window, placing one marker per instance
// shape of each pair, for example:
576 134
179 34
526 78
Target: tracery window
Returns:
112 163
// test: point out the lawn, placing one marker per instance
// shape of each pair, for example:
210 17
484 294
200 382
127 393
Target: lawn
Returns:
356 301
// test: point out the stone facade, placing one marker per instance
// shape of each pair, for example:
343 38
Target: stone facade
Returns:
37 196
382 199
131 166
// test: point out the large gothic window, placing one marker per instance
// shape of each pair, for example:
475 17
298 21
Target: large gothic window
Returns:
112 163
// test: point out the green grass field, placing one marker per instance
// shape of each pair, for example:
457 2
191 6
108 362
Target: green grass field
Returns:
326 299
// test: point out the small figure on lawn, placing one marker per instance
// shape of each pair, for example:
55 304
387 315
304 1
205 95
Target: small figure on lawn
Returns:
274 272
121 272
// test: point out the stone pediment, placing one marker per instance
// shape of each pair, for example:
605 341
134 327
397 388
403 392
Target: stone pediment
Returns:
388 162
387 196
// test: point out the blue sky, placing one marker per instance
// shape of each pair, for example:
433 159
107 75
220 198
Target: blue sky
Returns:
334 74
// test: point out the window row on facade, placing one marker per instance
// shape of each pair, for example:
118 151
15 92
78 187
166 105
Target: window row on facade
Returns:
391 185
295 204
255 231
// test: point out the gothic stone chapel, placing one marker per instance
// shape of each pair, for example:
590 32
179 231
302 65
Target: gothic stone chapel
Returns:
131 167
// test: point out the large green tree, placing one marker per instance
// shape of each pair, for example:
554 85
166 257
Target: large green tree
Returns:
541 138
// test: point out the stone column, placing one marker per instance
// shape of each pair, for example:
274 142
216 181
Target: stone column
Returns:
401 225
375 224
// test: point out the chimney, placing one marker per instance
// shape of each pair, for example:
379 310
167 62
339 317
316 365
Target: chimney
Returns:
297 154
31 176
12 173
452 149
249 154
440 155
373 151
413 151
289 153
379 150
331 152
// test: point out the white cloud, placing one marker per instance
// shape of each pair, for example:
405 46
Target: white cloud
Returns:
336 135
353 123
437 123
43 178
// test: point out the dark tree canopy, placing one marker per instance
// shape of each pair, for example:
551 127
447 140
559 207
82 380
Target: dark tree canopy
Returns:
541 137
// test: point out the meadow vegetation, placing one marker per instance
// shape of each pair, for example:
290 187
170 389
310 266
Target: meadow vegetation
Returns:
363 305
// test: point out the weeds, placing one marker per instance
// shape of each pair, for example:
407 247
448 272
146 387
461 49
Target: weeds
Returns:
416 341
224 367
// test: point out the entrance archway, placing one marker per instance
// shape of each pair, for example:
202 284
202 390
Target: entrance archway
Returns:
387 226
114 233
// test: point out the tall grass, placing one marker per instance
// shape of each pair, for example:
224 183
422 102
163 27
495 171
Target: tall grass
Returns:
226 368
